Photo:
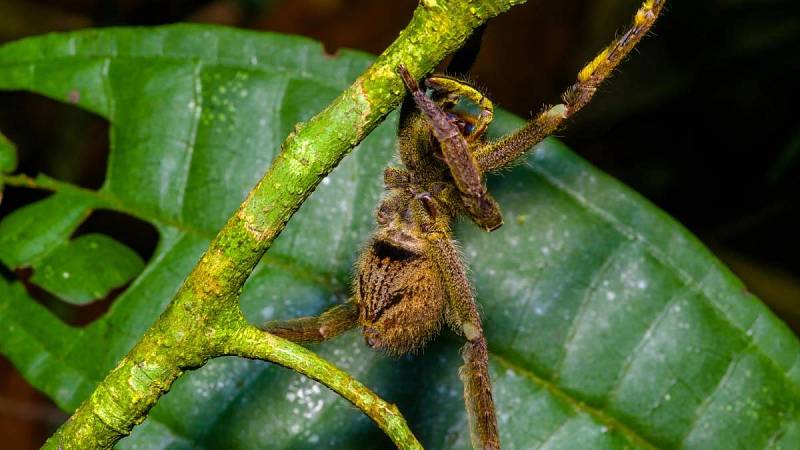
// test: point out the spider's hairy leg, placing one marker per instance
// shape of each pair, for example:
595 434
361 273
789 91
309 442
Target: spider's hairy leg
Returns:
498 154
463 316
327 325
481 207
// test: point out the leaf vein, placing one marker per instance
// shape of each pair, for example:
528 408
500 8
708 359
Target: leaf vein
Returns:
687 278
705 404
193 125
578 405
643 340
580 314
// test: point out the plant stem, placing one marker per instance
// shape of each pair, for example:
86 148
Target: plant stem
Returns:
254 343
203 320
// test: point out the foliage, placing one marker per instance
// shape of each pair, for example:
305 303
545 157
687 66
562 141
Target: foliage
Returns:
609 325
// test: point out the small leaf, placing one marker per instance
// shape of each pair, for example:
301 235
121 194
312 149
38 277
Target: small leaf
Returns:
86 268
33 231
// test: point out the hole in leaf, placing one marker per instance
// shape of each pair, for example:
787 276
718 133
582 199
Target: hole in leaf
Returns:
6 274
99 228
16 197
136 234
75 315
55 138
78 278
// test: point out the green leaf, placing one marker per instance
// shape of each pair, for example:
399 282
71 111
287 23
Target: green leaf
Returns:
610 326
86 268
33 231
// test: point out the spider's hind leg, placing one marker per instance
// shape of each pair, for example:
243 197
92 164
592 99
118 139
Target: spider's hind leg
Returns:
463 317
498 154
329 324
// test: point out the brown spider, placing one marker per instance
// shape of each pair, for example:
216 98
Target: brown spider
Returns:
410 278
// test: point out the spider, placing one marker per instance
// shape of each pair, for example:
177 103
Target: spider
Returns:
409 278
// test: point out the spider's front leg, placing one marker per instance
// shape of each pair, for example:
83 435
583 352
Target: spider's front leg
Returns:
498 154
327 325
463 317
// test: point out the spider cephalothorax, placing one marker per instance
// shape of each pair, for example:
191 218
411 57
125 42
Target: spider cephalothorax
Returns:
409 278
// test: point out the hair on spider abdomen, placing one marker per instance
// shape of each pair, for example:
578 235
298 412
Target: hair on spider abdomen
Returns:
400 298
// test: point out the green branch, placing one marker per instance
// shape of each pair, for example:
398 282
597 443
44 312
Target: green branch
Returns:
253 343
203 320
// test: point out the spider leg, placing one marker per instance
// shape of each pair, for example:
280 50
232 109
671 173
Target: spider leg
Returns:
463 167
463 316
498 154
329 324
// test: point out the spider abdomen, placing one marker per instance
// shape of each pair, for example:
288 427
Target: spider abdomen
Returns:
400 297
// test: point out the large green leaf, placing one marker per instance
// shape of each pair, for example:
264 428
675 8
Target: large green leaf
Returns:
609 325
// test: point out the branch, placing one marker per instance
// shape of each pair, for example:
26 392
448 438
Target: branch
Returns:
203 320
254 343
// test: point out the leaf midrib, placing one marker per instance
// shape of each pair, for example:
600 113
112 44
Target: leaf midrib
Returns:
598 414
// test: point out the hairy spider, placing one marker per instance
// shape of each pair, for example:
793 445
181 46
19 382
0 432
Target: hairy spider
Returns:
410 278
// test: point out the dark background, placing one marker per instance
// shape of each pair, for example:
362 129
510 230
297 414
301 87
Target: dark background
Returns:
701 121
